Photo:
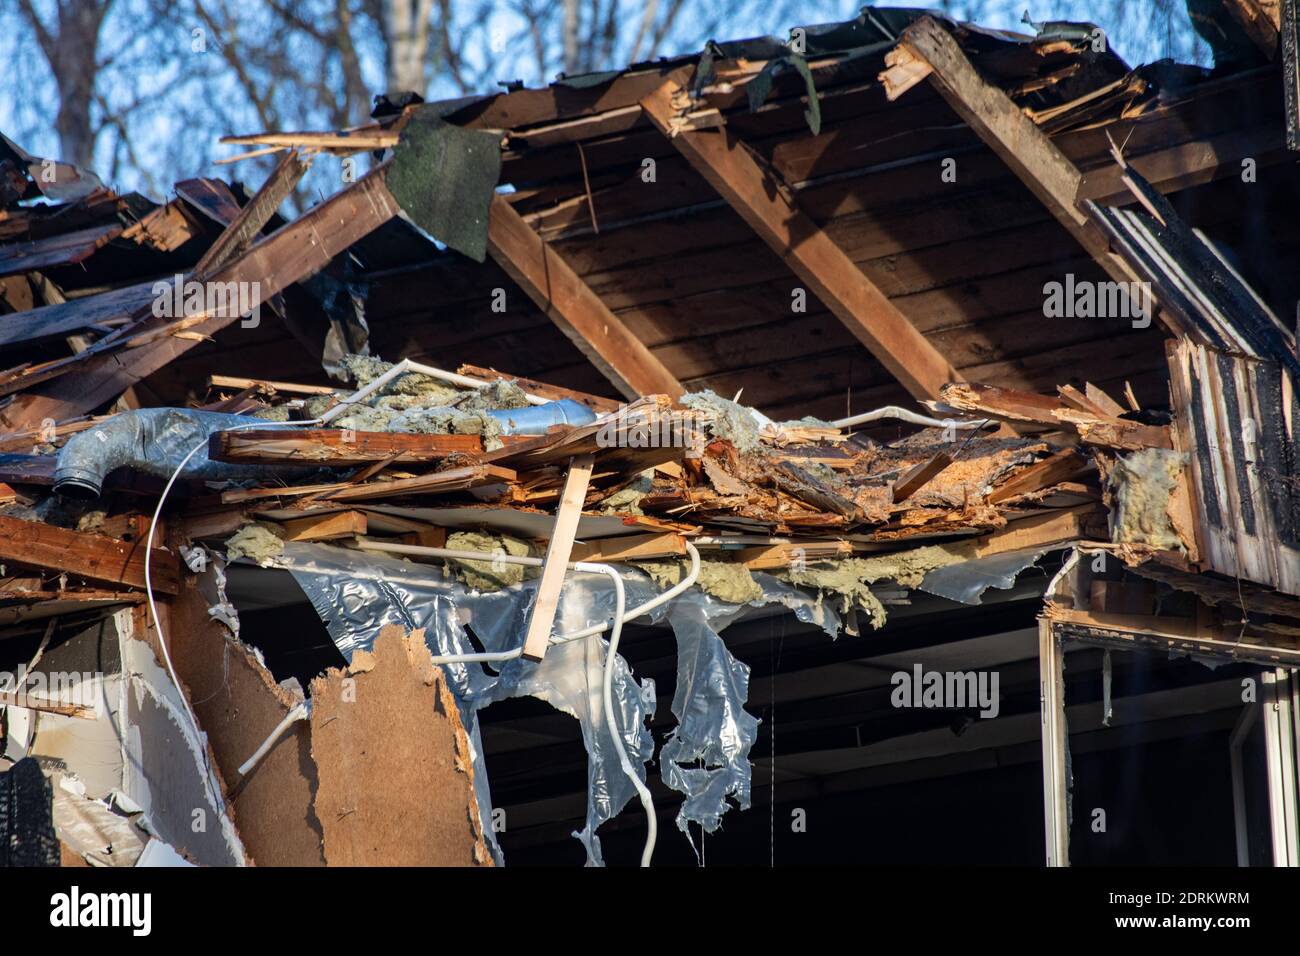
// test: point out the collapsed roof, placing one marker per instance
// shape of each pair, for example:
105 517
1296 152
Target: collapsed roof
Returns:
872 215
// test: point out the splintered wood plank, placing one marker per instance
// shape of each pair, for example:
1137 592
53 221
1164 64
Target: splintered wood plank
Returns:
264 384
244 228
55 251
1042 474
558 552
442 482
630 547
395 775
918 476
453 479
91 556
335 446
768 206
568 301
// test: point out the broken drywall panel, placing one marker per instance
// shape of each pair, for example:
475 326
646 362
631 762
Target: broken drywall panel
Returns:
89 748
169 772
238 703
396 778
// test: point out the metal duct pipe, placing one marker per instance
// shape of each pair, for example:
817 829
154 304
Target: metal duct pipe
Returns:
153 440
536 419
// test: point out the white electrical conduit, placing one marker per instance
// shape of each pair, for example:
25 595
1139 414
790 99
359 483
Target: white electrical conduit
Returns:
894 411
301 711
406 365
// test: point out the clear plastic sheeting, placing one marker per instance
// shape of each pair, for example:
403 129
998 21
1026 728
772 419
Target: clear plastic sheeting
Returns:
967 581
707 755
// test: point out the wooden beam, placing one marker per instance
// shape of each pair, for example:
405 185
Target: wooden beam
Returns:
242 231
764 201
569 302
630 547
326 527
1013 137
268 385
558 552
90 556
335 446
1260 25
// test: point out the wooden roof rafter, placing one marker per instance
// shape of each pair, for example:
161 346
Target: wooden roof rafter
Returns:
758 194
569 302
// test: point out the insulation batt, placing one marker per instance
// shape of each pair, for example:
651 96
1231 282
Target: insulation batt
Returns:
1143 483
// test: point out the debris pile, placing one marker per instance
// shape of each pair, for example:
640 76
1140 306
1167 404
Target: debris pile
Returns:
461 536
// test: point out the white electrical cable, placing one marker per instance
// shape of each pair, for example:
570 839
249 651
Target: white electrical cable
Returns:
148 576
894 411
607 695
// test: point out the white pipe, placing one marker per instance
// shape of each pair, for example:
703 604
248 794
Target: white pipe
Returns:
301 711
894 411
406 365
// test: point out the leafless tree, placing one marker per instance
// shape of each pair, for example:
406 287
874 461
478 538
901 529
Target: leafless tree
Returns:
70 41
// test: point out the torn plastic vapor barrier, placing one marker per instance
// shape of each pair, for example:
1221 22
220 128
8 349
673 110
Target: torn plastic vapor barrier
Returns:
967 581
357 594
